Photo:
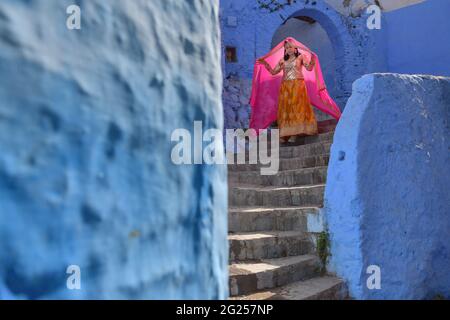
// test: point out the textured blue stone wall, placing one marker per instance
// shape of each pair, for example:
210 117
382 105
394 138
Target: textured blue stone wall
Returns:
86 177
387 199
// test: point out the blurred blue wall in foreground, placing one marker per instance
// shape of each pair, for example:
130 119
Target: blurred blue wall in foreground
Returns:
86 177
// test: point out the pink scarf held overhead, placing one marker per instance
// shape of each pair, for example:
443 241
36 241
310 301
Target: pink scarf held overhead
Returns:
266 88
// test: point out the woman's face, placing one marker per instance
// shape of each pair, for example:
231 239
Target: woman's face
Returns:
290 50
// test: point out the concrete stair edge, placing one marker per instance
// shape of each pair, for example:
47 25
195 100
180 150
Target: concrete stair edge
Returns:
319 288
259 219
285 164
250 276
309 195
246 246
292 177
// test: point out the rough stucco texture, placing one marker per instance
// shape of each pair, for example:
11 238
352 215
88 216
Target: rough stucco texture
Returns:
387 199
86 178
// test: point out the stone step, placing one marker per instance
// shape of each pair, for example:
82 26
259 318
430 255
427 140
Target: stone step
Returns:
286 163
287 178
327 122
327 125
321 137
320 288
304 151
252 219
311 195
328 128
252 276
324 139
298 151
268 245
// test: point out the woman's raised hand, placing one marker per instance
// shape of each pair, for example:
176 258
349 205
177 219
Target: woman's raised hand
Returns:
261 60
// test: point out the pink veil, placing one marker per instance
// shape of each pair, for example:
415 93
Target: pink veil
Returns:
265 88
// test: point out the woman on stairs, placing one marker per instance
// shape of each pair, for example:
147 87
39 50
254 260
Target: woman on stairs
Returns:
288 98
295 114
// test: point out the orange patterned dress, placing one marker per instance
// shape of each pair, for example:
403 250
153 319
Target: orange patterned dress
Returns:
295 113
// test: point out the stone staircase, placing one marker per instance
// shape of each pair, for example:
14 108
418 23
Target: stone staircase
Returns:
272 252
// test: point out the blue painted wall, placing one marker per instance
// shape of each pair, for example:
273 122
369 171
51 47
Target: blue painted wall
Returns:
386 198
86 177
418 38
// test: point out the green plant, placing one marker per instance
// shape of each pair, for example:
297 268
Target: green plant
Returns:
323 249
